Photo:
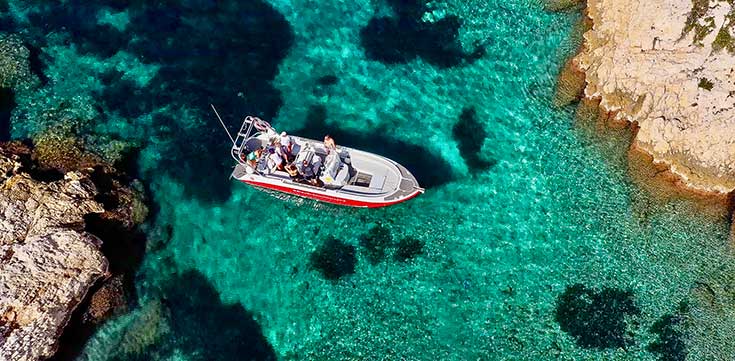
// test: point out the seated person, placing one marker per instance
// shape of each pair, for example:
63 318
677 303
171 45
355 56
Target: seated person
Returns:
275 162
287 144
306 171
281 150
252 158
309 172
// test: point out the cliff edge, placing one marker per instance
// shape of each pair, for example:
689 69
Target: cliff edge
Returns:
669 67
48 262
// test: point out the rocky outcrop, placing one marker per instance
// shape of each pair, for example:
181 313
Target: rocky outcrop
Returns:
48 261
668 67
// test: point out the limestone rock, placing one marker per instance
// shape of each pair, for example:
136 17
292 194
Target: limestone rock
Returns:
47 261
662 64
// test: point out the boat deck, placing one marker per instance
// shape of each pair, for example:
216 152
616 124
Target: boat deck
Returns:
365 179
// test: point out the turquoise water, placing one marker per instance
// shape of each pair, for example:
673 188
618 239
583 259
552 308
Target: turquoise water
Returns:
540 203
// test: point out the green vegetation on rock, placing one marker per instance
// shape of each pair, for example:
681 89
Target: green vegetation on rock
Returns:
703 25
695 19
725 39
706 84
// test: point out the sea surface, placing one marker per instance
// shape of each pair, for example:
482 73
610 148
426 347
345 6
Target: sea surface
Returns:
537 237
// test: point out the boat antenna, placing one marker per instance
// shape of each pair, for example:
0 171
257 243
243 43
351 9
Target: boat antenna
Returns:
223 123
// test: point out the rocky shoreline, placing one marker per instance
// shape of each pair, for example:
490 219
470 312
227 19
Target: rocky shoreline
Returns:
668 68
52 256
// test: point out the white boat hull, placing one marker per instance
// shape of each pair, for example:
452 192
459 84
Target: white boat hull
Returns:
365 179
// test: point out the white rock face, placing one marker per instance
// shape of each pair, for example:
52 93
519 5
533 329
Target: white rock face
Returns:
47 262
643 67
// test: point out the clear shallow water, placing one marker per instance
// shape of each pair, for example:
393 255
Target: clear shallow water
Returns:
228 274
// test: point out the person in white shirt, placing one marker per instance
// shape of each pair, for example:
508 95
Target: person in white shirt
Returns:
287 144
281 151
275 161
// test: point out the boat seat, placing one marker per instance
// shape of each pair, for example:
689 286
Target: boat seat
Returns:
296 149
304 156
253 144
343 175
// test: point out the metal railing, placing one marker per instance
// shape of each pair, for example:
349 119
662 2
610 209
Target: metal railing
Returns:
245 133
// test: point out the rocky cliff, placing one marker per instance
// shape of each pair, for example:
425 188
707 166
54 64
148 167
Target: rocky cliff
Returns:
668 66
48 262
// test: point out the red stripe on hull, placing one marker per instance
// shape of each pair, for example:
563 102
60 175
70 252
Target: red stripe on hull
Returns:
326 198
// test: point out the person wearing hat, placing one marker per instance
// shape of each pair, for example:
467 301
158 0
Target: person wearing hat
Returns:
287 145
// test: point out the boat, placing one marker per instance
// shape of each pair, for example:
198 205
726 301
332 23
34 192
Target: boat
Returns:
337 175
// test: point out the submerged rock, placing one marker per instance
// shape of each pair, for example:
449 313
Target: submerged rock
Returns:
61 152
375 243
408 248
406 36
334 259
596 319
109 299
670 344
570 85
48 261
645 61
188 322
15 67
561 5
470 136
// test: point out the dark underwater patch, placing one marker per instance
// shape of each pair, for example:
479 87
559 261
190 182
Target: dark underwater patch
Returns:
205 328
596 319
408 248
36 63
78 18
229 62
124 96
124 248
7 104
375 243
430 170
225 53
7 24
400 39
197 156
327 80
324 84
670 344
470 135
334 259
